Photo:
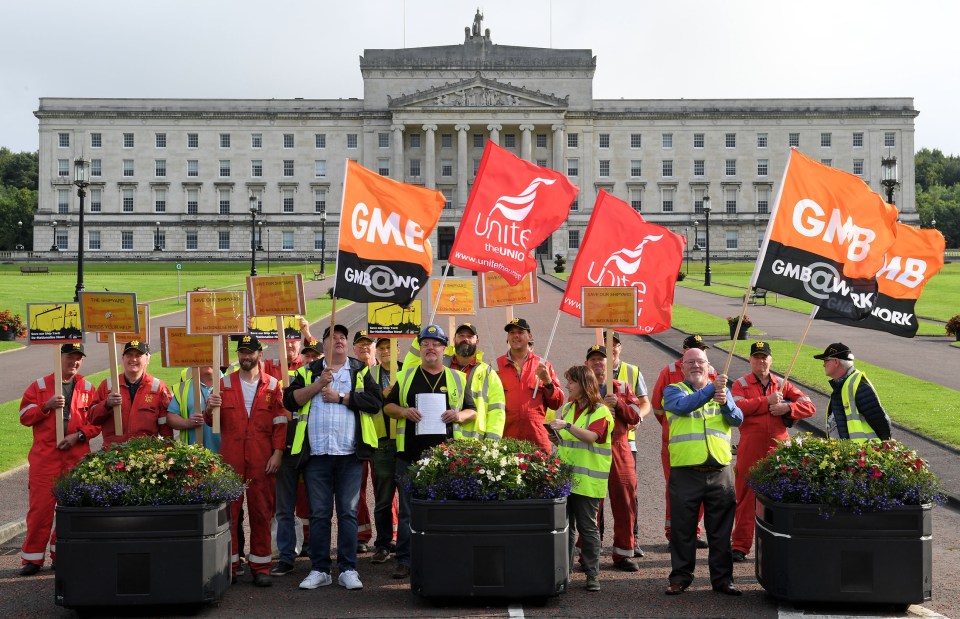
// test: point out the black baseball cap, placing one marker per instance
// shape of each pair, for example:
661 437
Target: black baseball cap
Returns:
468 326
596 348
518 322
361 335
380 340
694 341
616 336
76 347
312 344
337 329
137 345
760 348
838 350
250 343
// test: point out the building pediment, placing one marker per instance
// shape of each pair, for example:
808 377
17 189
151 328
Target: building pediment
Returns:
477 92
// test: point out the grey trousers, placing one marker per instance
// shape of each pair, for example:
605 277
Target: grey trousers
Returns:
582 518
715 490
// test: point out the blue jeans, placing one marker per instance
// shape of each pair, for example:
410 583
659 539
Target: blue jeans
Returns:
329 479
403 517
287 478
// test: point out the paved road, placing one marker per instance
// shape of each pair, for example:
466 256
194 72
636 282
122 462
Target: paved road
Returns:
623 595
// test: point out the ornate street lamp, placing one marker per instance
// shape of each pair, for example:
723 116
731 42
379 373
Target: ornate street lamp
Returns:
54 247
706 210
20 245
156 238
889 176
253 235
323 243
81 178
686 250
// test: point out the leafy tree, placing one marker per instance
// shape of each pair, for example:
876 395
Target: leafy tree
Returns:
16 205
20 170
943 205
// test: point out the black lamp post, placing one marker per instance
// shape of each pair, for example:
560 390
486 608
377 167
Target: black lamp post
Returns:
54 247
253 235
156 237
81 169
706 210
686 249
323 243
889 177
20 235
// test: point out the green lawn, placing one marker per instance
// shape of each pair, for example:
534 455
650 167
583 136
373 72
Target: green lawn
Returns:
925 407
5 346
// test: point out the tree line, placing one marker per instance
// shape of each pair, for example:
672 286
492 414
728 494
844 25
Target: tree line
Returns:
937 176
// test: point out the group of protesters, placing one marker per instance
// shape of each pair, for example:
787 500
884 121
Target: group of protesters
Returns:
312 447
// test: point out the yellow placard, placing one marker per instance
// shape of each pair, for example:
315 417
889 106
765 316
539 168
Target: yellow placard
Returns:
178 349
216 313
392 320
497 292
265 328
276 295
608 306
458 296
54 323
109 312
143 316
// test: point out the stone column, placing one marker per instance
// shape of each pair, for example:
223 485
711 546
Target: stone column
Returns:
461 165
430 161
495 133
558 148
398 172
526 144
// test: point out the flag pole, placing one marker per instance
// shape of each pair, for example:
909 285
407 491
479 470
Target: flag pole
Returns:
327 352
796 353
546 352
736 333
436 303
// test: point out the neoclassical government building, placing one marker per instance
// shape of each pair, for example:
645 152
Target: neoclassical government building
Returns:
181 175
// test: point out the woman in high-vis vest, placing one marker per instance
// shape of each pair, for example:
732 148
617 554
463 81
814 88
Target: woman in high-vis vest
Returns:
585 426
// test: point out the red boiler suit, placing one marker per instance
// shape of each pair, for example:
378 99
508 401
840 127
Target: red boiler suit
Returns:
758 434
149 416
669 375
525 416
248 441
47 462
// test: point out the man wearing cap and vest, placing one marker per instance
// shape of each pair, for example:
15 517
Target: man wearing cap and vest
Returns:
363 350
182 404
385 506
522 372
670 374
49 459
854 412
143 401
631 375
444 388
292 496
485 385
336 399
767 413
700 415
253 424
622 482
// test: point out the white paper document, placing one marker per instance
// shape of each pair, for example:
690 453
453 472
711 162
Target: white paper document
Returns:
431 407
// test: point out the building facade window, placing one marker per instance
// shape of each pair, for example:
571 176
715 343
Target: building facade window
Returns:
636 140
636 198
287 200
193 167
858 139
699 167
730 140
604 168
224 140
510 140
666 199
63 140
763 167
126 240
889 139
126 198
256 140
193 140
730 167
636 168
159 200
63 201
573 140
541 140
573 167
351 141
93 240
414 140
763 200
415 168
256 168
383 139
540 162
128 167
794 140
666 140
575 206
858 167
96 140
96 200
320 200
318 243
666 168
446 140
128 141
762 140
224 168
62 240
446 167
191 239
287 240
826 139
476 165
63 168
604 140
161 239
447 198
383 167
699 140
320 168
478 140
730 200
828 162
160 168
288 141
573 239
320 140
288 167
160 140
193 201
224 201
223 240
96 168
733 239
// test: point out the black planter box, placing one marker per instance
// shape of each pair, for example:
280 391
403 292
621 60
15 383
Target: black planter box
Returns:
879 557
124 556
510 549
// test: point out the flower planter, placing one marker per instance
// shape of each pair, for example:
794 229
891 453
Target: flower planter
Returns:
744 331
6 336
125 556
878 557
510 549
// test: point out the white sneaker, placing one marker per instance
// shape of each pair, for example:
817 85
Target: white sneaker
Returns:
350 579
317 579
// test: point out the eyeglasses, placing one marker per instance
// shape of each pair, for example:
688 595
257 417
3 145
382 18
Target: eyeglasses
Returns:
695 362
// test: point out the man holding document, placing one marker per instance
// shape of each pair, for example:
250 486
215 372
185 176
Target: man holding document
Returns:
426 401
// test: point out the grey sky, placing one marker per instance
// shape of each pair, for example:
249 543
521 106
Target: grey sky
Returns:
645 50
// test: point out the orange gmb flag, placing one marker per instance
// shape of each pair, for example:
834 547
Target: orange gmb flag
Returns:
385 225
915 257
832 215
514 206
621 249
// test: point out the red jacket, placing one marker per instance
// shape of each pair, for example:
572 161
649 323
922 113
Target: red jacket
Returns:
749 396
272 366
248 441
669 375
626 414
44 451
525 416
149 417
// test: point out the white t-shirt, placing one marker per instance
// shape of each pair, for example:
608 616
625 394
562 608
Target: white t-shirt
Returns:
249 391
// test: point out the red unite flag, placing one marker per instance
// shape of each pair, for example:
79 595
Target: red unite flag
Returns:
514 206
621 249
